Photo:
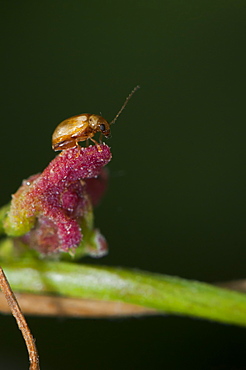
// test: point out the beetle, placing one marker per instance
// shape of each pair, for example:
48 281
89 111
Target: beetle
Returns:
83 127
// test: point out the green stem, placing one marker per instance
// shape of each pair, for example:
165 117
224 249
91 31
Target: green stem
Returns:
164 293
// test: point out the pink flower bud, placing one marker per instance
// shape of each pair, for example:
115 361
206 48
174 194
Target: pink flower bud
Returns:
51 211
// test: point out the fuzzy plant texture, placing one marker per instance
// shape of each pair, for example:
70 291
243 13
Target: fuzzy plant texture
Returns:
50 218
52 212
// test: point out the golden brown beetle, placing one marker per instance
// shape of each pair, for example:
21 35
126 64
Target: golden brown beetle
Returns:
83 127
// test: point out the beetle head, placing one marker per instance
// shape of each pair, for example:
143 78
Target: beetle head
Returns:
98 123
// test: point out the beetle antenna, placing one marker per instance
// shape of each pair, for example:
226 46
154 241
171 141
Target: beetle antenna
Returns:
125 103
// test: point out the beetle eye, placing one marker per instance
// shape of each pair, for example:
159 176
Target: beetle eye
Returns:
102 127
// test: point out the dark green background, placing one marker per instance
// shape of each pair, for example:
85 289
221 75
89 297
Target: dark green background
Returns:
176 202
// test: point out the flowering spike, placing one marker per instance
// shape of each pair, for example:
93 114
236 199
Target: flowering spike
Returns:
50 211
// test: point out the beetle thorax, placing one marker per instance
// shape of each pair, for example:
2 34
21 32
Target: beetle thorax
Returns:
93 122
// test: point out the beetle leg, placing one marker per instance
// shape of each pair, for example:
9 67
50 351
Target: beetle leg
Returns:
98 146
79 148
94 141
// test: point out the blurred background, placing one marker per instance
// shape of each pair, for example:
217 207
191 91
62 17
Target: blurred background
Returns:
176 200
